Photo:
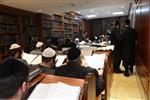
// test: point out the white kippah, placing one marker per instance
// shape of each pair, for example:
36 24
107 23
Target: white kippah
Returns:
39 44
14 46
48 52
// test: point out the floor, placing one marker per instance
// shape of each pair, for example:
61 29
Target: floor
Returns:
126 88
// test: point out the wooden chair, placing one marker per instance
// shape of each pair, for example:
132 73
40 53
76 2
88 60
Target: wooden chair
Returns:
91 80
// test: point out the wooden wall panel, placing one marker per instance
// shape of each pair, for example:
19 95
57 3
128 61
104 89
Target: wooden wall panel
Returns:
142 28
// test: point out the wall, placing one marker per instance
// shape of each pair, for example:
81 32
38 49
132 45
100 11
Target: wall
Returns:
101 25
142 25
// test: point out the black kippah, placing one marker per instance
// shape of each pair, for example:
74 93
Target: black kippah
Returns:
73 53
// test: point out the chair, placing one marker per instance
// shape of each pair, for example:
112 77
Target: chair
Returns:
91 80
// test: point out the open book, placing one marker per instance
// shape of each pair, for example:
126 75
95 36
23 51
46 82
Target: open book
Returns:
55 91
29 57
60 59
95 61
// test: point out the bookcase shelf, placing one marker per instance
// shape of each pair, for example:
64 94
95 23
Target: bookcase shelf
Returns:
29 33
8 31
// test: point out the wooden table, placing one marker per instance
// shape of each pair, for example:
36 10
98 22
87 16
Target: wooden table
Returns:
36 80
69 81
108 71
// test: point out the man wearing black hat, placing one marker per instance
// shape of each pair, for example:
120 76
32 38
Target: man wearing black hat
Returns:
74 69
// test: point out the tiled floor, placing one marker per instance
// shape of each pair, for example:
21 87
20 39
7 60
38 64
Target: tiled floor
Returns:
125 88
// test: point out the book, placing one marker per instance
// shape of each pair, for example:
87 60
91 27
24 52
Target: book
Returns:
37 60
55 91
95 61
60 59
28 57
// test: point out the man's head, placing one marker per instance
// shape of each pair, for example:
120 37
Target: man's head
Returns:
15 50
39 45
117 24
13 78
48 56
74 55
127 22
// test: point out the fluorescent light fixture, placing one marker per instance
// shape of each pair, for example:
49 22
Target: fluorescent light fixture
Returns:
90 16
40 10
118 13
122 7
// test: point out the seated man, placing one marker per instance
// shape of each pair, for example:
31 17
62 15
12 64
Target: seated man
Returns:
75 70
38 50
13 79
48 61
15 51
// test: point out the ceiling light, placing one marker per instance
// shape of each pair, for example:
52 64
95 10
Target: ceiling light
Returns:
122 7
79 12
40 10
118 13
91 16
92 11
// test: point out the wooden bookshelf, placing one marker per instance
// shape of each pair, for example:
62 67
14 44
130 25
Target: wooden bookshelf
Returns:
57 26
29 33
44 22
8 32
67 25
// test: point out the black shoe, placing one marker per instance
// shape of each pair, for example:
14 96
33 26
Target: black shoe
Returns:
126 73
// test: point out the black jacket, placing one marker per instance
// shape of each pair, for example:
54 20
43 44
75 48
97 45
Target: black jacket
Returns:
129 46
74 70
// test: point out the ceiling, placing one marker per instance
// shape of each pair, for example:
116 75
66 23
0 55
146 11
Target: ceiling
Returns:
99 8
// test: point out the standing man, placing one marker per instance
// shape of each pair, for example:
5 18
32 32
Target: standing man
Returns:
129 48
117 42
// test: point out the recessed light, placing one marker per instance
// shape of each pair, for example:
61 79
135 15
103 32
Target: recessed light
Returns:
118 13
40 10
90 16
122 7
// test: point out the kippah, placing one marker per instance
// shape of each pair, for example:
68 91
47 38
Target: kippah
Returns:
73 53
48 52
39 44
14 46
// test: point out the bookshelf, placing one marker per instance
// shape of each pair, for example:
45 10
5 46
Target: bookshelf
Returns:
67 25
44 28
9 29
29 33
57 26
77 25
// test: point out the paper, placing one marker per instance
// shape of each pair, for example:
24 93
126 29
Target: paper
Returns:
60 59
37 60
109 47
28 57
95 61
55 91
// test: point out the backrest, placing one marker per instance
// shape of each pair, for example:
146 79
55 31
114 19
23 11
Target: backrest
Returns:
91 93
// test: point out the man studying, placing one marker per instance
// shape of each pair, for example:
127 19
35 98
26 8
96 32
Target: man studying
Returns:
13 79
48 61
74 69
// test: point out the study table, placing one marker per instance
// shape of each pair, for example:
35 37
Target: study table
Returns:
108 70
107 74
70 81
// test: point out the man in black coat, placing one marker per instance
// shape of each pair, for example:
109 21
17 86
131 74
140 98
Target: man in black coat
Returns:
129 48
116 40
75 70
